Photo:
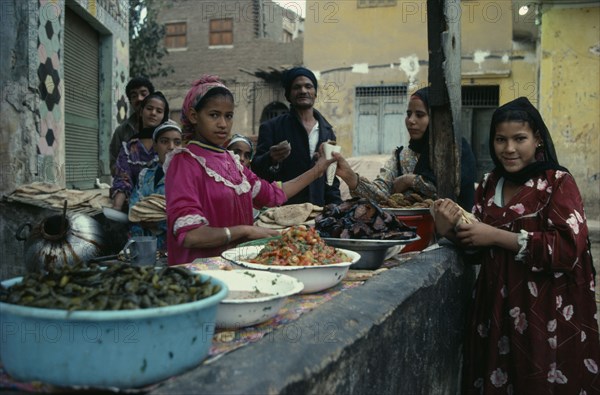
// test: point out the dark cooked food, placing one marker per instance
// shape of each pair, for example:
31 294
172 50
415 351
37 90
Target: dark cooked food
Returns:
361 218
117 287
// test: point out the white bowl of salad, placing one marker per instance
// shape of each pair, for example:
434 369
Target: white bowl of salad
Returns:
299 253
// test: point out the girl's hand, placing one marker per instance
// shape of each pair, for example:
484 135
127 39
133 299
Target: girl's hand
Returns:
119 201
446 215
256 232
477 234
403 183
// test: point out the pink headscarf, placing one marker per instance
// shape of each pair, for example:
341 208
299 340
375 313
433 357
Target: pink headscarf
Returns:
195 94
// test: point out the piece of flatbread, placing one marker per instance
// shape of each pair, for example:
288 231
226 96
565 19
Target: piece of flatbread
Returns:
267 216
156 200
137 216
143 210
37 187
262 224
133 217
293 214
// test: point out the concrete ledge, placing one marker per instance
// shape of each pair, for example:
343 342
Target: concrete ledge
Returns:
399 333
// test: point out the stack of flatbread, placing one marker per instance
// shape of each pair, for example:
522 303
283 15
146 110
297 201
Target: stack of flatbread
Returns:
151 208
290 215
44 194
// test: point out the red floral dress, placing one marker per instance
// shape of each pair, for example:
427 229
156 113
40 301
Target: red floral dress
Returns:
533 326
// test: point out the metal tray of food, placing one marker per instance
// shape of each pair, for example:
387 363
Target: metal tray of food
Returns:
407 211
357 244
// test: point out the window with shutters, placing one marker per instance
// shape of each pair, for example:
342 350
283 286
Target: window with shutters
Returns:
175 35
221 31
81 86
379 126
480 96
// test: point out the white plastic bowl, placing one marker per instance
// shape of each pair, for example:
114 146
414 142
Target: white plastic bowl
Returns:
314 278
106 349
115 215
239 313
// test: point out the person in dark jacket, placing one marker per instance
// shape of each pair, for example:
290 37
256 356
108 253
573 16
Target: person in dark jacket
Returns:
136 90
288 144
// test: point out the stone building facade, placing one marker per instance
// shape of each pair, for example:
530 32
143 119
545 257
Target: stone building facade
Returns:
258 40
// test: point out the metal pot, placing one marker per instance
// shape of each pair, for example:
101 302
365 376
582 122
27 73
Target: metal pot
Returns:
67 239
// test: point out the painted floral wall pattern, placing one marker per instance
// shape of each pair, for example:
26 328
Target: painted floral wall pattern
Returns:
48 71
120 77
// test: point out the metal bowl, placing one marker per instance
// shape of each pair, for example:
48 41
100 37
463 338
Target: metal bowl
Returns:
372 252
106 349
315 278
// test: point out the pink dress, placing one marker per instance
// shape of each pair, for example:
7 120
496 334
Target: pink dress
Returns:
206 185
533 327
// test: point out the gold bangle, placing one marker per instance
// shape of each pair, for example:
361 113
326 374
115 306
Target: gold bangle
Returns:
228 235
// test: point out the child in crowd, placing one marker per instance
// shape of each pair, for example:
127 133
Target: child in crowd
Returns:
242 147
166 137
210 194
136 90
533 326
138 153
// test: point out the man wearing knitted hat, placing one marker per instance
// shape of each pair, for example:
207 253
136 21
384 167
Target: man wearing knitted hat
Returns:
288 144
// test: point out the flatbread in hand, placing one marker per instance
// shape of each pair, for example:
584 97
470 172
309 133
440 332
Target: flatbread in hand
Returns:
467 217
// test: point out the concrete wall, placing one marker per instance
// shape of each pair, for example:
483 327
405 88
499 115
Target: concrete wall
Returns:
399 333
234 64
570 95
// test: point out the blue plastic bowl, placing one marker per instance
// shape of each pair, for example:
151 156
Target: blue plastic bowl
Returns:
106 349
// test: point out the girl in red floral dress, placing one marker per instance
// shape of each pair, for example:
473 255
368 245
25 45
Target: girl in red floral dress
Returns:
533 326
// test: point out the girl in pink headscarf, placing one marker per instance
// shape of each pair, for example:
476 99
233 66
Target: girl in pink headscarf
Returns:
210 194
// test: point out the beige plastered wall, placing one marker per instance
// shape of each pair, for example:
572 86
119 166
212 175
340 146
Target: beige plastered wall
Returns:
349 47
569 97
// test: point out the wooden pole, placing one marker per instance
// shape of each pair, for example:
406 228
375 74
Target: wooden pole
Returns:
443 34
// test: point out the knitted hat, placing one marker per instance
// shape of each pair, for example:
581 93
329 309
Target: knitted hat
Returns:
290 75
